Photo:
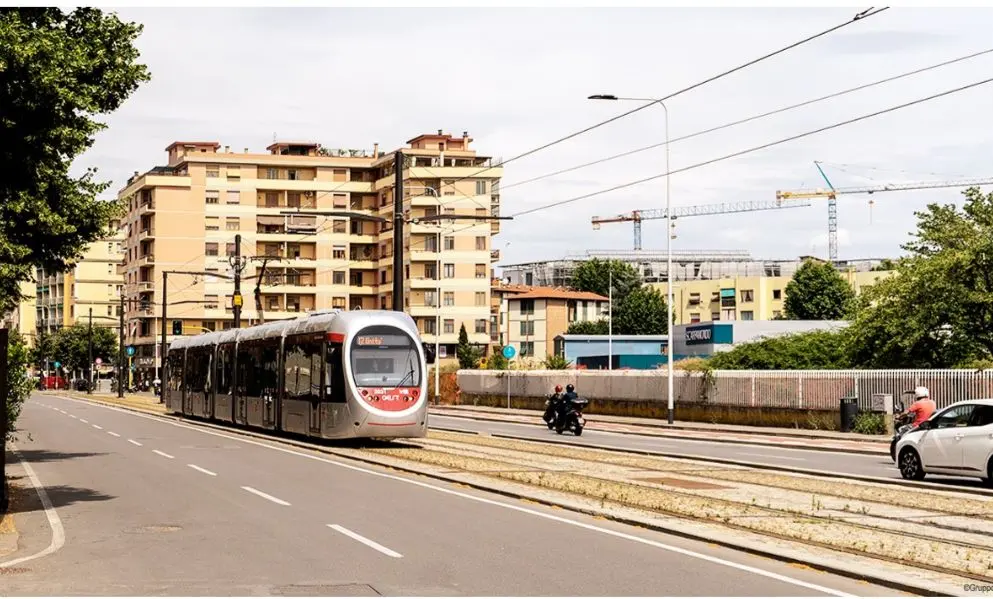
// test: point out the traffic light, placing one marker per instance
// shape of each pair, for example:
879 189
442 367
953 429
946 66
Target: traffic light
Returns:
177 327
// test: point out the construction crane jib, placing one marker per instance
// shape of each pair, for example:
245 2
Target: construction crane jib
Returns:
636 216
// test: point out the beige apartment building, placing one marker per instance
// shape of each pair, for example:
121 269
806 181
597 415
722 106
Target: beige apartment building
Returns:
65 298
184 216
22 317
536 316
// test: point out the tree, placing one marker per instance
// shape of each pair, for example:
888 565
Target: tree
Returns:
19 385
816 350
936 311
468 355
884 265
818 292
589 327
71 346
57 71
595 276
496 361
555 362
44 349
641 312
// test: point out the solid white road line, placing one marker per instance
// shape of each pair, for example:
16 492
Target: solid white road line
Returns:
112 434
772 456
162 453
364 541
54 522
133 442
487 501
204 470
84 421
72 415
98 427
266 496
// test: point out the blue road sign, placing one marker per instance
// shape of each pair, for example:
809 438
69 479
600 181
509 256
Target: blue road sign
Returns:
509 352
130 350
58 364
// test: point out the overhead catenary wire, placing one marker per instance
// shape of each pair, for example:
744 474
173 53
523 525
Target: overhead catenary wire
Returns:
748 119
858 17
753 149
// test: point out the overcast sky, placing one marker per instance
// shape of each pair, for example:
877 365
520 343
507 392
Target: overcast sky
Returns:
518 78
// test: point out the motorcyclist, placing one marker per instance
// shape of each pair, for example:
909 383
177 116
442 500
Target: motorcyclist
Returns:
567 399
923 406
552 405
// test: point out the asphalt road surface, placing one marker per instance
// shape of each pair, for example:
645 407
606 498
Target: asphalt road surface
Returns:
154 507
820 460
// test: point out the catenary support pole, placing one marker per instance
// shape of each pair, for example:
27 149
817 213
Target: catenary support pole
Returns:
398 231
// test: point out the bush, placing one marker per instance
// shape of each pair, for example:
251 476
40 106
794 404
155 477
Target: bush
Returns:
556 363
18 383
813 350
869 423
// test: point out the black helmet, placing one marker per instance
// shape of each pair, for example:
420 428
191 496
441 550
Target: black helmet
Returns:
569 388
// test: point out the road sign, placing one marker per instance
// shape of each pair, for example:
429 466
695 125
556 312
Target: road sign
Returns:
130 350
509 352
58 364
98 361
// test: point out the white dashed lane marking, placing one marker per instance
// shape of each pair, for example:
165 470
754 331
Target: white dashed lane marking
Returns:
266 496
162 453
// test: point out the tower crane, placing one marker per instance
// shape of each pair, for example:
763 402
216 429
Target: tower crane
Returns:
832 193
636 216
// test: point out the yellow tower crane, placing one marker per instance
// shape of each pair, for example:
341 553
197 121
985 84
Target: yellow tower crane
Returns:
832 193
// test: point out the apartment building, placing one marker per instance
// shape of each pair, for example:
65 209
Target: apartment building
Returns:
534 318
22 317
185 215
744 298
65 298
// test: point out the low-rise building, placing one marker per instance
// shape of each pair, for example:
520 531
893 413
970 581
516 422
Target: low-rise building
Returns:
596 352
534 318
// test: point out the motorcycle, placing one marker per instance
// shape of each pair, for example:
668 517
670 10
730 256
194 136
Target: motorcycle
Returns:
904 424
571 417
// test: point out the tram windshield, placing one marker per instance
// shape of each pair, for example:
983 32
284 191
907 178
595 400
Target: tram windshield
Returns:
384 356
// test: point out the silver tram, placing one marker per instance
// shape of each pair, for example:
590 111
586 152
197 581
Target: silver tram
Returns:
331 375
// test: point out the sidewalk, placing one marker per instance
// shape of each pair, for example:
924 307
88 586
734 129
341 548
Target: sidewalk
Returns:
782 437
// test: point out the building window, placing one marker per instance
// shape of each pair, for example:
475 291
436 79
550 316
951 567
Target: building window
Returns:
210 302
430 244
213 196
449 243
747 295
338 302
229 249
527 348
340 200
271 173
212 223
430 271
480 298
694 317
339 226
449 271
210 249
291 174
338 277
527 327
210 325
271 199
232 224
480 188
748 315
233 196
338 252
430 299
481 243
449 326
715 316
430 326
480 271
233 172
449 298
481 325
777 294
213 171
527 306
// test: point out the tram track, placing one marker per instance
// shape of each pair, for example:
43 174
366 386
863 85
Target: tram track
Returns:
961 547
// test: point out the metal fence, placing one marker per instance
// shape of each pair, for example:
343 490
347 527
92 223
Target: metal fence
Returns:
792 389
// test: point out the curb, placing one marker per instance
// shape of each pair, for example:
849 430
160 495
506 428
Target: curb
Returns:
758 443
859 573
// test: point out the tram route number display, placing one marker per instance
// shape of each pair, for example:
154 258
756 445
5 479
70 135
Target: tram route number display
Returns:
383 394
382 341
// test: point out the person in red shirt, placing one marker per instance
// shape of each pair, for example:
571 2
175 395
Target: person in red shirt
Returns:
923 406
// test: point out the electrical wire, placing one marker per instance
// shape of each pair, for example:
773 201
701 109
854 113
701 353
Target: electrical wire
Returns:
748 120
753 149
858 17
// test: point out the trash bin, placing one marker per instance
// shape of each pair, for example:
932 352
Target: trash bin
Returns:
849 410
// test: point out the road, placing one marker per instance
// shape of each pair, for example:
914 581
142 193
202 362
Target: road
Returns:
820 460
155 507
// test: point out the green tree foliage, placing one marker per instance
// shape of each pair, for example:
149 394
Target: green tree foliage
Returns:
884 265
19 385
589 327
553 362
936 311
595 276
816 350
57 71
44 349
70 346
818 292
496 361
467 354
641 312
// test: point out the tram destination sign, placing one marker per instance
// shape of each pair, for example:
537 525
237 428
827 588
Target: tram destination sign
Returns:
382 341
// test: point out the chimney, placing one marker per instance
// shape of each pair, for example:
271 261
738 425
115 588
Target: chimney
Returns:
246 150
375 150
136 174
439 132
227 149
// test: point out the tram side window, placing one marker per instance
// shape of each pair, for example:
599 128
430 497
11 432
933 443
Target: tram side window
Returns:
335 376
268 373
175 370
302 370
198 370
249 382
224 369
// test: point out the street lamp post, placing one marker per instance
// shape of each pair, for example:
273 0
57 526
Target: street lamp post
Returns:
668 242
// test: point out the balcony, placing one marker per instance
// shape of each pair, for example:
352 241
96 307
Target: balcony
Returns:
494 255
146 207
146 233
145 286
146 260
424 283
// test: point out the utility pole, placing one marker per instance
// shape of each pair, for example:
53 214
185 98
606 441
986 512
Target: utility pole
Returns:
120 352
3 421
236 299
162 350
89 351
398 231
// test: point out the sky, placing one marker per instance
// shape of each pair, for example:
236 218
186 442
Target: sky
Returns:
516 79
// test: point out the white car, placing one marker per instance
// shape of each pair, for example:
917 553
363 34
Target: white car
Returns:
956 441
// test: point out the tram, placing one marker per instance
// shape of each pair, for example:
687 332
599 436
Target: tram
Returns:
330 375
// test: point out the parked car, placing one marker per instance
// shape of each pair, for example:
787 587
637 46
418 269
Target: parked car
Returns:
956 441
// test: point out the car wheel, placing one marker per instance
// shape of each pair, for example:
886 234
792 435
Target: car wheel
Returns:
989 474
911 467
